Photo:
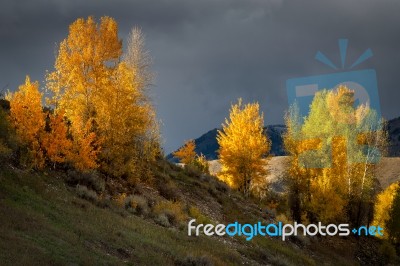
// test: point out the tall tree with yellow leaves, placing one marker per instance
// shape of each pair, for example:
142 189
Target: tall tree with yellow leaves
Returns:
243 147
86 59
122 117
28 119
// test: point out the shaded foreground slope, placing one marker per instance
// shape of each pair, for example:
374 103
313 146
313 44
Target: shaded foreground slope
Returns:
44 221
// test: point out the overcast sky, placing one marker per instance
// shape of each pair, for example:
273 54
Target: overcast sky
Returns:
207 53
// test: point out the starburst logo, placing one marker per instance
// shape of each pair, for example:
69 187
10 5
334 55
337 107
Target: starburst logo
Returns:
301 92
363 82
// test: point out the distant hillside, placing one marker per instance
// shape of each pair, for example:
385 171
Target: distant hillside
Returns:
207 144
394 135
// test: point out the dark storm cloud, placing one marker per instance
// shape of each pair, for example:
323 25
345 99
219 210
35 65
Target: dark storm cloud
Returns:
209 53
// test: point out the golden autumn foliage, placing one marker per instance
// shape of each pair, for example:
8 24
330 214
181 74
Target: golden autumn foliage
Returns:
340 169
47 141
113 124
28 120
383 205
100 113
186 154
84 152
243 146
56 142
85 62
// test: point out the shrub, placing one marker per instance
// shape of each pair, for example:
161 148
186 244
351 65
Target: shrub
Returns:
5 152
283 218
192 170
138 188
85 193
169 191
202 164
164 177
388 252
196 214
213 191
172 210
195 261
90 179
120 199
8 143
137 204
162 220
205 178
104 202
221 186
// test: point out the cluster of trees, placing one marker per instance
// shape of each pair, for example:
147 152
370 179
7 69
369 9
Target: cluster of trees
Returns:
99 114
188 156
243 151
334 153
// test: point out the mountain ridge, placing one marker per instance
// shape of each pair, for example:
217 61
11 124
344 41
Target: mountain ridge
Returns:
207 143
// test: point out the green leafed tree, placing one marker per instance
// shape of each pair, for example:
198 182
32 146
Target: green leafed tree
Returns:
334 151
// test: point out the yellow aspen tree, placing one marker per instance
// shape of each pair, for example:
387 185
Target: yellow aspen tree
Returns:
300 173
122 117
28 119
383 205
84 63
243 147
56 143
186 154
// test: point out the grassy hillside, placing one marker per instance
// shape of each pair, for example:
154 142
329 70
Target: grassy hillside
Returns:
45 221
